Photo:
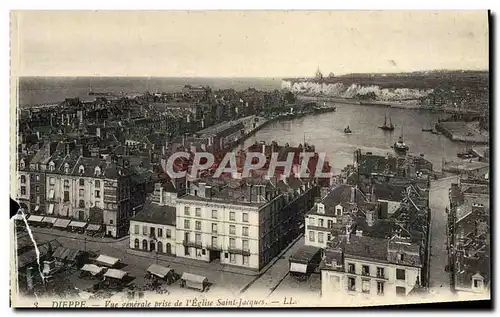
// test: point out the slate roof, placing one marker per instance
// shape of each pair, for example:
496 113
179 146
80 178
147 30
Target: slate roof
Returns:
154 213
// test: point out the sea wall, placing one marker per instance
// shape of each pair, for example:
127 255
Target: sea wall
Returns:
355 90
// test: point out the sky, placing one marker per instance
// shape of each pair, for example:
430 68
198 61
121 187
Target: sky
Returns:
245 43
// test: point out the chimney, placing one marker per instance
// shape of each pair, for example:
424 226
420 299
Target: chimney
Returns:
347 233
201 190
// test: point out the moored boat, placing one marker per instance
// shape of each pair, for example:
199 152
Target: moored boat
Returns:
386 127
347 130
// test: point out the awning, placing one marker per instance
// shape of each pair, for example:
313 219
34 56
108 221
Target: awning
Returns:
114 273
107 260
158 270
49 220
51 194
35 218
298 267
92 268
193 278
93 227
18 217
77 224
51 209
62 223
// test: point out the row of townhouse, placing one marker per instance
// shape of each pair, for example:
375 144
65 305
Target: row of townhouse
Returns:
231 222
59 182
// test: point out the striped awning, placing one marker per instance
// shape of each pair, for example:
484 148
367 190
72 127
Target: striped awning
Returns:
77 224
51 209
35 218
62 223
49 220
93 227
18 216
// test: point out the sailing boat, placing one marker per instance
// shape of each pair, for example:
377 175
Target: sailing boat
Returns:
386 127
400 146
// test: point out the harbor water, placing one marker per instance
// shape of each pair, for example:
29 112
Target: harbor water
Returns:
326 132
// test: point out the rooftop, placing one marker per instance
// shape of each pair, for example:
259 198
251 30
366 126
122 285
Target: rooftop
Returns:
154 213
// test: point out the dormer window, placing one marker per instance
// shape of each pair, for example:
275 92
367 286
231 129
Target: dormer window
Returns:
477 281
401 257
52 166
321 208
22 164
338 210
66 168
81 169
97 171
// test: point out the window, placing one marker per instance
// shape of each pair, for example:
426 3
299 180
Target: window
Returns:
81 203
232 243
144 230
245 231
197 212
245 260
328 237
320 237
245 245
214 214
400 291
312 221
232 229
82 182
145 244
380 288
311 236
245 217
23 190
186 224
232 216
330 224
136 244
197 225
37 177
197 238
37 189
81 192
110 221
365 270
66 183
321 222
186 210
97 171
351 268
169 233
52 180
186 251
400 274
97 183
214 228
23 179
380 272
365 286
66 195
232 258
401 257
214 241
160 232
97 194
351 283
136 229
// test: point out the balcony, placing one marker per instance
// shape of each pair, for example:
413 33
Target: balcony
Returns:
214 247
239 251
365 273
192 244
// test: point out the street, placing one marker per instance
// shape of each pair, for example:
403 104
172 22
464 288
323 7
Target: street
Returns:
138 261
439 200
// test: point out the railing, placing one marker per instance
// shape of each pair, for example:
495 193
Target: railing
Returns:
193 244
239 251
214 247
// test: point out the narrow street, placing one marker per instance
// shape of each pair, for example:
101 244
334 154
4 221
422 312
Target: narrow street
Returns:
439 200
